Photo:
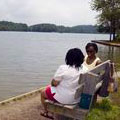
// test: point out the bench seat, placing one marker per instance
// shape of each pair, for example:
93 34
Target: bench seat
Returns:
72 111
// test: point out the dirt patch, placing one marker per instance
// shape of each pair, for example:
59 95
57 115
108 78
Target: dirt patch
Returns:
25 109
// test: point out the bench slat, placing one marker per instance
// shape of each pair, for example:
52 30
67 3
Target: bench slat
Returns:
66 110
90 84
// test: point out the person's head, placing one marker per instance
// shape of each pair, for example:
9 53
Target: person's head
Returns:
91 49
74 57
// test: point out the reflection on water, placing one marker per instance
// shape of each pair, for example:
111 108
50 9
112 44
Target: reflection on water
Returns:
110 52
29 60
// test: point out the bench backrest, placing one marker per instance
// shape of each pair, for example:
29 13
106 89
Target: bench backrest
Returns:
89 81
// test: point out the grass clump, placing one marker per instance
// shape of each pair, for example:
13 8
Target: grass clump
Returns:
104 111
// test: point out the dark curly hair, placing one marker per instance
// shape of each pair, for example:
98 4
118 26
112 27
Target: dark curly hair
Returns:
74 57
93 45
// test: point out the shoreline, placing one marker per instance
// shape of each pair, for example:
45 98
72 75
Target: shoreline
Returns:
21 96
25 106
106 42
31 93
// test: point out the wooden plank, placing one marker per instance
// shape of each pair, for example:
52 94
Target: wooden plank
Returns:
67 111
81 79
90 84
96 76
79 90
89 90
61 117
98 86
92 78
101 67
70 106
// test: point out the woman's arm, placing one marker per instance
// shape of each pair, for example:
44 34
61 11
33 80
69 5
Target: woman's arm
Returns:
98 62
55 82
58 76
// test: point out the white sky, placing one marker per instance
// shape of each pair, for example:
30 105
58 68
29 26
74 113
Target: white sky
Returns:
60 12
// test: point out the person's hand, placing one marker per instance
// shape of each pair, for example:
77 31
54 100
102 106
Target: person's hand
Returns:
55 83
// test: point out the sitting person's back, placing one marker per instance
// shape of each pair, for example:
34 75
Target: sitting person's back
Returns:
65 80
68 77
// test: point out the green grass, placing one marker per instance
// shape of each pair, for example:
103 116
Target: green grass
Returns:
107 110
116 96
104 111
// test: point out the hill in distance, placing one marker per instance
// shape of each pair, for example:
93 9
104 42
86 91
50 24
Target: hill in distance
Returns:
46 27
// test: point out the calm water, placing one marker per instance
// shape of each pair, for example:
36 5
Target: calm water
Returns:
29 60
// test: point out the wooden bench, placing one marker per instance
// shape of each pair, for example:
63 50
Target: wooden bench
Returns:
89 83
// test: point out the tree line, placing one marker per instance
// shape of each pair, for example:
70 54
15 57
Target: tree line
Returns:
11 26
109 16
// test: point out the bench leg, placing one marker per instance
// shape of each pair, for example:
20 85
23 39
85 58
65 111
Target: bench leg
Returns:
94 99
61 117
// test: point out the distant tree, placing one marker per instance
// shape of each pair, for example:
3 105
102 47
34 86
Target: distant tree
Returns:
43 28
103 29
10 26
109 15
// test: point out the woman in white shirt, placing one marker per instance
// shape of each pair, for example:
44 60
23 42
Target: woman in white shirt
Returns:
65 80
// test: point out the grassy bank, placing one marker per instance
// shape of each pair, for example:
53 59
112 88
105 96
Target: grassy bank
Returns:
116 96
107 110
104 111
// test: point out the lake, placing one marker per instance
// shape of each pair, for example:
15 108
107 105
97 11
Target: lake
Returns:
28 60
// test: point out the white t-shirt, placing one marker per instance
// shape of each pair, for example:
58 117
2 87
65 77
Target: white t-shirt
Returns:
68 77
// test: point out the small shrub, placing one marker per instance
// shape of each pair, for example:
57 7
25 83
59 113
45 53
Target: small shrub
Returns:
118 37
105 105
104 111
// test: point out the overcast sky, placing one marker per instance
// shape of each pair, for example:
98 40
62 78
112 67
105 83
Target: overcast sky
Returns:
60 12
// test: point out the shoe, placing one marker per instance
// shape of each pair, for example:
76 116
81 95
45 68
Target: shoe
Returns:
45 114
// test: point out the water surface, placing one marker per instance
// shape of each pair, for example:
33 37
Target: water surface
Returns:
28 60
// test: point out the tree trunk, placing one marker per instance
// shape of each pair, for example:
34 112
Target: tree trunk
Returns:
114 36
110 30
114 30
110 36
